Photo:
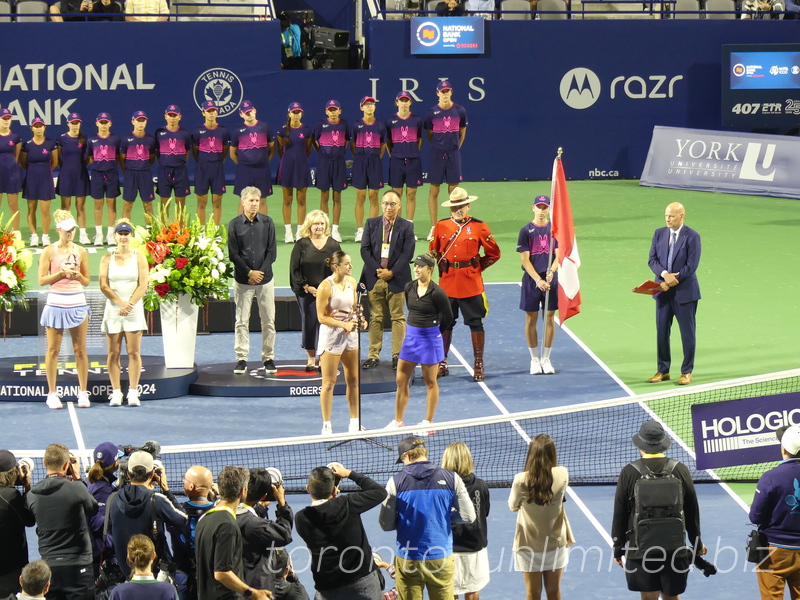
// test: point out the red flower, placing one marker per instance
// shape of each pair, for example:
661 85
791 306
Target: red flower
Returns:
19 272
5 256
162 289
3 288
158 251
180 263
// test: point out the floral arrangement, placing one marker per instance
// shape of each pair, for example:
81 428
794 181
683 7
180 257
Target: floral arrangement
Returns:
184 258
14 264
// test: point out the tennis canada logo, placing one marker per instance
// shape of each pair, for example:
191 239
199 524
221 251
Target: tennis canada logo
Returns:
738 69
580 88
222 86
428 34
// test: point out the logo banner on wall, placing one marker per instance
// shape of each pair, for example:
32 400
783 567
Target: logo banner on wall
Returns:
742 432
723 161
447 35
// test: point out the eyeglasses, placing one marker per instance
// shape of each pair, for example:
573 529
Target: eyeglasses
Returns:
389 204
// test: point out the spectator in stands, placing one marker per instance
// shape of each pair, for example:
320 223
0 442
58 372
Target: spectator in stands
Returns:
291 43
450 8
73 178
481 8
774 510
74 10
469 541
308 269
762 9
14 518
252 250
792 9
10 179
142 8
38 158
252 147
136 506
422 504
210 144
294 172
62 505
106 10
35 581
220 568
543 535
102 483
141 555
342 563
287 586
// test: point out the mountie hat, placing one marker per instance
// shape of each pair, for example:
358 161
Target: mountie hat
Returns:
7 461
443 85
246 106
172 109
4 112
103 116
459 197
141 459
209 105
424 260
37 120
541 201
333 103
407 444
789 438
74 117
123 227
403 94
651 438
107 453
139 114
366 99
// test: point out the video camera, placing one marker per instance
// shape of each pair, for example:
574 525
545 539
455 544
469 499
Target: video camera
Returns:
151 447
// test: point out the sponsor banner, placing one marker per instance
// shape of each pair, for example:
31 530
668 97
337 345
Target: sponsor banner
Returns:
723 161
765 70
447 35
742 432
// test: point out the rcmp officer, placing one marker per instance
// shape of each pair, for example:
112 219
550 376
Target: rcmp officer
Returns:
456 243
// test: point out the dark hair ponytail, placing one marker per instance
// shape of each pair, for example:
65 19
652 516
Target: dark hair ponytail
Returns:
335 258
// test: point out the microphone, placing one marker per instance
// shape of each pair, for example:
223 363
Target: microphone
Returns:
362 289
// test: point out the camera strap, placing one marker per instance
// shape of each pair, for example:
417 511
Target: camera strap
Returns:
105 524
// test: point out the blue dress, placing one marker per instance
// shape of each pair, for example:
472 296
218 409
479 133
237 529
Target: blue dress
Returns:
73 179
38 184
295 170
10 178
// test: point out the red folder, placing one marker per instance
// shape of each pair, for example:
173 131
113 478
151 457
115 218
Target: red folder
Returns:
650 288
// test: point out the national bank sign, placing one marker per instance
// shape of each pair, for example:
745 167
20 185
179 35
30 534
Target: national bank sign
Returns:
723 161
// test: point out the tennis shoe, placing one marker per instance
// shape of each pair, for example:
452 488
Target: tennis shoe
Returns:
98 239
430 235
110 239
547 367
45 239
354 428
133 398
241 367
326 429
115 399
288 238
269 367
423 429
83 238
536 367
337 237
359 235
53 401
395 425
83 399
34 241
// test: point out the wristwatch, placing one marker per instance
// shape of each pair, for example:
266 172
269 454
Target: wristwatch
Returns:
248 592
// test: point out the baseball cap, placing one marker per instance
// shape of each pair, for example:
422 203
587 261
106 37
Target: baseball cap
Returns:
246 106
139 114
209 105
4 112
103 116
407 444
424 260
172 109
123 227
37 120
541 200
366 99
403 94
790 438
332 104
7 461
651 438
141 459
443 85
293 106
107 453
74 117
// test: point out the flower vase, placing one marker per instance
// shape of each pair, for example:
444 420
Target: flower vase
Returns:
179 332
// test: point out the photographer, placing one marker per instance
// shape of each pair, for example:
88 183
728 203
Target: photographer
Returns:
14 518
136 508
261 536
61 504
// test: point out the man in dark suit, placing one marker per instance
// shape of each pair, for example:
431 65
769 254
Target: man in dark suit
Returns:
387 249
674 257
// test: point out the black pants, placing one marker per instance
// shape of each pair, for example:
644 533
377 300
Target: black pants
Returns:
71 582
473 309
308 321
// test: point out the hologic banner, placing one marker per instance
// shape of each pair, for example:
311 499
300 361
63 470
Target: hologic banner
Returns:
723 161
742 432
447 35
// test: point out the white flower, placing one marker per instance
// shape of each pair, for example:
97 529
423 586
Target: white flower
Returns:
221 267
8 276
159 274
203 242
214 274
214 261
220 255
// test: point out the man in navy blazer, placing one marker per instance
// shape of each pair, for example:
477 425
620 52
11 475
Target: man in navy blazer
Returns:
674 257
387 248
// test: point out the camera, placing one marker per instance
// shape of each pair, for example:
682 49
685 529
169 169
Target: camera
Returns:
276 479
151 447
26 467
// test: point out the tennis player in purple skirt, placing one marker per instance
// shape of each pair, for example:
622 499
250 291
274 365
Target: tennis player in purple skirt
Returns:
294 172
73 178
10 178
39 157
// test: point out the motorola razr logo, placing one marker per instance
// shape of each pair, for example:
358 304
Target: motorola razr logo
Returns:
580 88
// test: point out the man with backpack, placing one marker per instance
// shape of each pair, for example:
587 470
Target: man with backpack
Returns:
655 507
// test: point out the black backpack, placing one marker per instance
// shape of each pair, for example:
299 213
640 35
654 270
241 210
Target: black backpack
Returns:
658 520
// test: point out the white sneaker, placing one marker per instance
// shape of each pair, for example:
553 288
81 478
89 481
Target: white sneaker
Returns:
326 429
45 239
34 240
53 401
83 399
337 237
288 238
423 428
110 239
395 425
115 399
133 398
98 239
430 235
353 427
547 367
359 235
83 238
536 367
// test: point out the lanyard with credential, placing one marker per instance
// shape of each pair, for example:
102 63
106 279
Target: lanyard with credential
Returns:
219 508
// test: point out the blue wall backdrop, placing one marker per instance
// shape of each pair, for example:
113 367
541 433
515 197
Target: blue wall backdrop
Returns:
594 88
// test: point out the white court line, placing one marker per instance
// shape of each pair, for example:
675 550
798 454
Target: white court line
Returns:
76 428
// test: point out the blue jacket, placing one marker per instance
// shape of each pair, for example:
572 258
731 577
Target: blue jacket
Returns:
776 504
685 260
423 502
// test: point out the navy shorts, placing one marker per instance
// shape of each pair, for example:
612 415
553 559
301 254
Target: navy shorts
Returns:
247 175
173 178
138 183
331 173
207 176
445 167
104 184
367 172
531 298
405 171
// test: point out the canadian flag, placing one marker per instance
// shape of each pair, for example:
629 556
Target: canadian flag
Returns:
563 230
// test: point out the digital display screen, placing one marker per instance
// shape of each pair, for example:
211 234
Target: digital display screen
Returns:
765 70
447 35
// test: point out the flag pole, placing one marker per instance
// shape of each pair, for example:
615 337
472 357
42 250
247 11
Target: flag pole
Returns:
550 253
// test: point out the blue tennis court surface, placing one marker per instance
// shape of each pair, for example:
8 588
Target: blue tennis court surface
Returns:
508 388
